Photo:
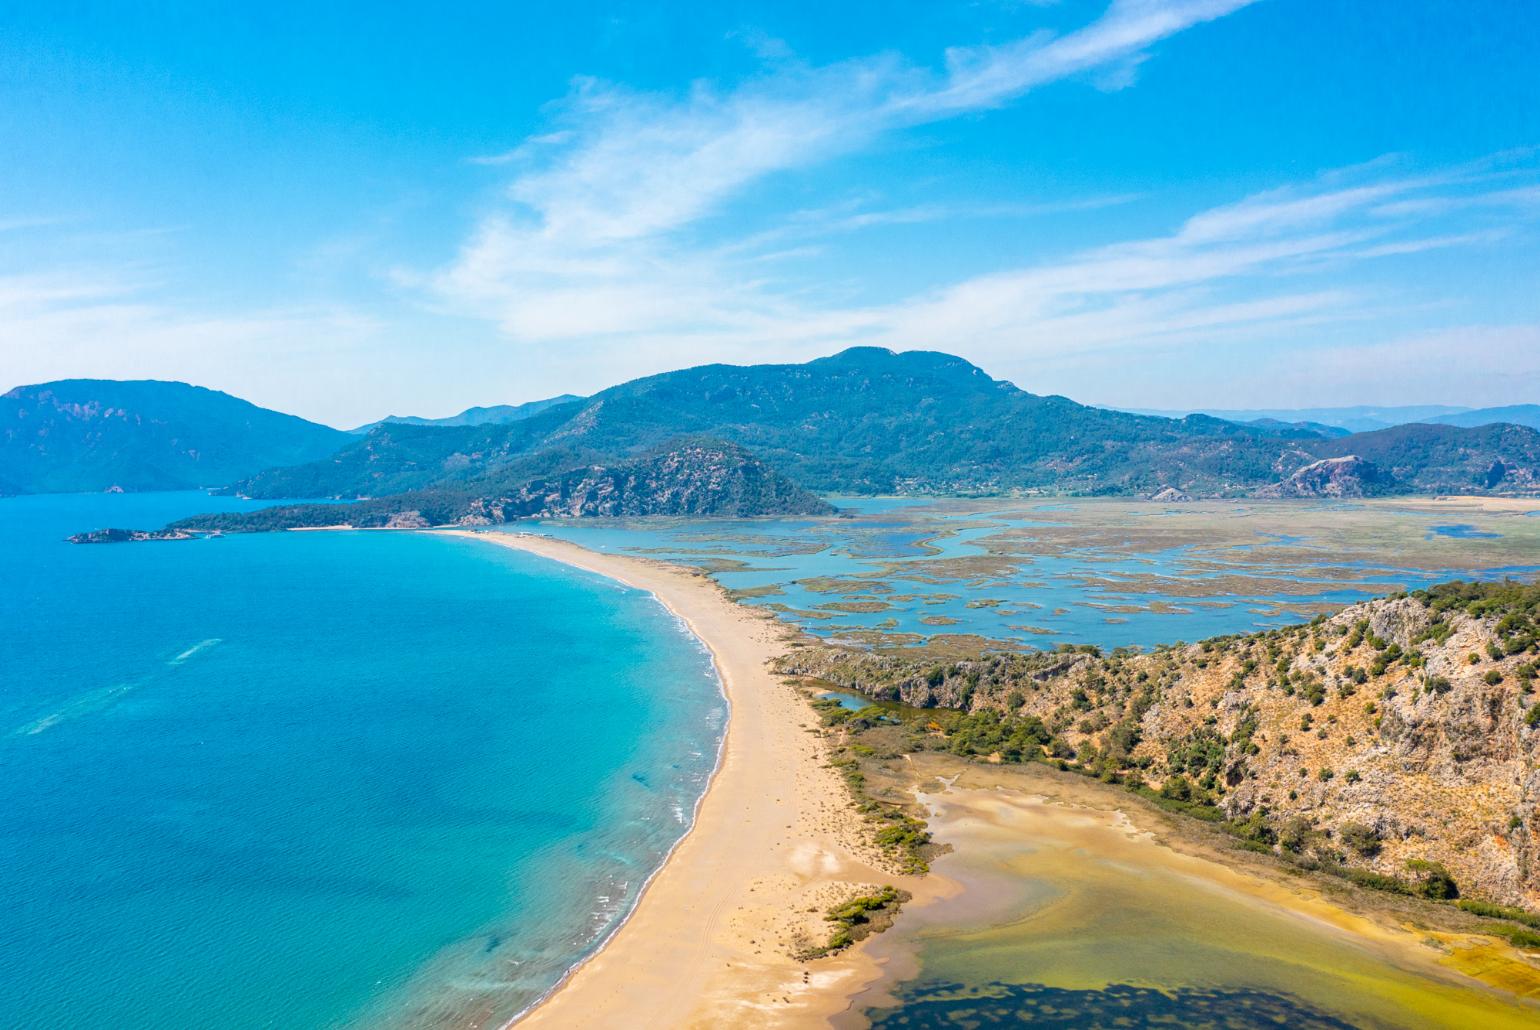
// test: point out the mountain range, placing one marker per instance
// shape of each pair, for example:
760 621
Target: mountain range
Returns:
868 420
753 439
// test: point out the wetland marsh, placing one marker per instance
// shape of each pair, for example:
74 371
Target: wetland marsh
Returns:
1037 573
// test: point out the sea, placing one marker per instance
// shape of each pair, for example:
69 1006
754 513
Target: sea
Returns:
322 779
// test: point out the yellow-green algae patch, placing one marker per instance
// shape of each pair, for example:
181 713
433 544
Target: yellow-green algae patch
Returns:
1066 886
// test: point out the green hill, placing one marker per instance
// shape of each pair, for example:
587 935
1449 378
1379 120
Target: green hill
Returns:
101 434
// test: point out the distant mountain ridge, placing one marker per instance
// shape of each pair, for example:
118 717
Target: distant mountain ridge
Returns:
79 435
497 414
1365 418
1512 414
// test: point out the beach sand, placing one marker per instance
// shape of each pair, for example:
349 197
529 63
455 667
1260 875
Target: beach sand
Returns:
774 844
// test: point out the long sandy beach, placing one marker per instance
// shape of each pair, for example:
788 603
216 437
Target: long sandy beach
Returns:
774 844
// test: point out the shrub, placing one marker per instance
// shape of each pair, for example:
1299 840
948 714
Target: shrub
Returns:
1294 835
1371 879
1491 911
1363 839
1435 880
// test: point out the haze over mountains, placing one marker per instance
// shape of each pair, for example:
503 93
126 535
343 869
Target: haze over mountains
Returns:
723 439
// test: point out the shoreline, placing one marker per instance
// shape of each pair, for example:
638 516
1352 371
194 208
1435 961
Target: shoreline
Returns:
716 766
708 941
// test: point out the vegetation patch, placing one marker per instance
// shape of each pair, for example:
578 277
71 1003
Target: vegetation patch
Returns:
856 919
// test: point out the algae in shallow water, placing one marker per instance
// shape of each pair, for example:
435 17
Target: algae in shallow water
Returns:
1121 1005
1076 913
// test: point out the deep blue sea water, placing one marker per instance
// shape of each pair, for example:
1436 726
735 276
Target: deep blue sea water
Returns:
321 779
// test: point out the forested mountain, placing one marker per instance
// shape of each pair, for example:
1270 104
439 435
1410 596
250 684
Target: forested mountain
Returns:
100 434
870 420
1365 419
1361 418
862 421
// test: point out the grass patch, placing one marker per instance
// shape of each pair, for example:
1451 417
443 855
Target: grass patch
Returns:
858 918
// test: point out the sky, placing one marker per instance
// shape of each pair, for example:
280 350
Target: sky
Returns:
392 209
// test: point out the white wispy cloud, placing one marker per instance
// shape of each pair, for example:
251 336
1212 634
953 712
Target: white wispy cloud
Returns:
594 236
1279 260
611 239
1240 258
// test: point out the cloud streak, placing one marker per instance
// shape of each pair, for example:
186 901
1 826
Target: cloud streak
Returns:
599 235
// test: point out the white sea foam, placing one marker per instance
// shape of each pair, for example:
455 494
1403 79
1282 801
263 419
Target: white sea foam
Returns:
200 646
102 698
74 708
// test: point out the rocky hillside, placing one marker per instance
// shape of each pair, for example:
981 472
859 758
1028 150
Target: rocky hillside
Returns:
1349 476
1398 740
687 478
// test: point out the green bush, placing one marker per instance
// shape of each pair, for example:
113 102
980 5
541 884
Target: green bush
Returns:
1363 839
1435 880
1491 911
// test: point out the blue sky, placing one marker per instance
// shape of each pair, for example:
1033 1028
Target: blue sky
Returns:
1156 203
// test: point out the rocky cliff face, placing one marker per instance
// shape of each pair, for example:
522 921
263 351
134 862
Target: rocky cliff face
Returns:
693 479
1347 476
1395 732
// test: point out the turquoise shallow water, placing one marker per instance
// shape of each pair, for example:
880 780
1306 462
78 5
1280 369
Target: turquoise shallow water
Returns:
321 779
